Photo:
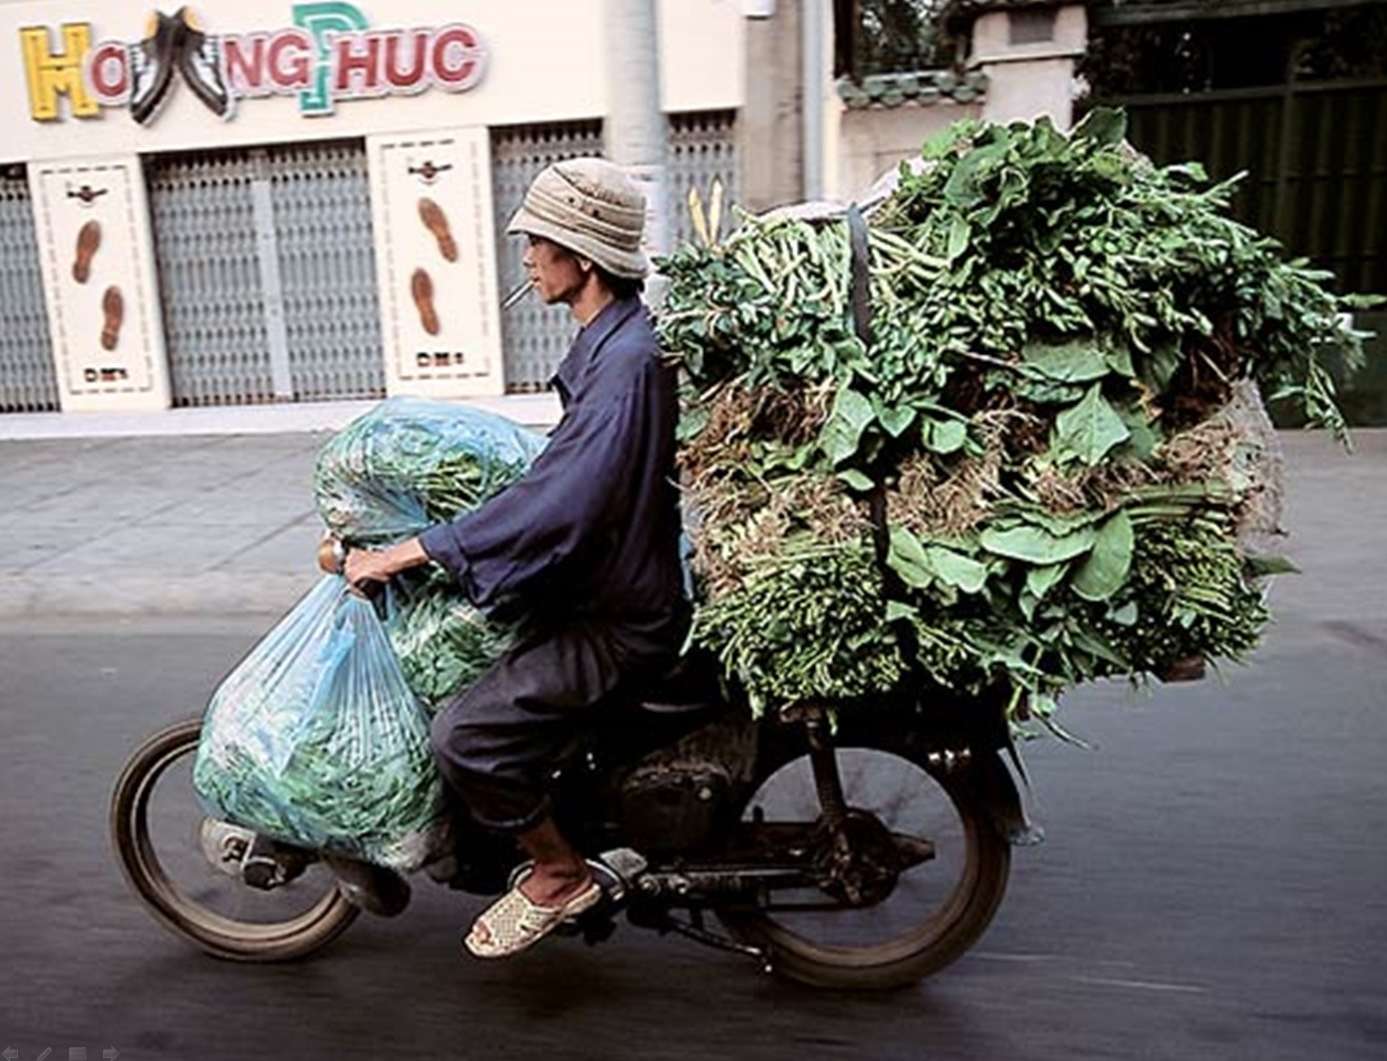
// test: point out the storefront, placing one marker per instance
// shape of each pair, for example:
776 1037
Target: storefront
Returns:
309 202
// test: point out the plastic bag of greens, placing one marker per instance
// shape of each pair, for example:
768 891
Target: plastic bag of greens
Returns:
443 642
409 464
316 740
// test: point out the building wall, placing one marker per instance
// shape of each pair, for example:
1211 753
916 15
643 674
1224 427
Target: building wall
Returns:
874 140
543 63
540 63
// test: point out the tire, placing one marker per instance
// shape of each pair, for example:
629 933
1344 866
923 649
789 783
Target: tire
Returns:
910 956
214 933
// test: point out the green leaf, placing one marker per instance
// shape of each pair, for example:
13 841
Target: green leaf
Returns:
1144 435
958 238
1036 545
1056 523
856 479
1040 580
944 436
896 419
1118 355
906 557
962 189
935 148
1259 566
1028 602
843 432
1105 126
1090 429
1044 391
955 569
900 610
1126 615
1095 645
1161 365
1077 361
1105 569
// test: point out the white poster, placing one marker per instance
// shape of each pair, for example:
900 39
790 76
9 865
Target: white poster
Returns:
435 240
98 277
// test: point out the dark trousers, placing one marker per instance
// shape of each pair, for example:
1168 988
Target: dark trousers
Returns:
497 742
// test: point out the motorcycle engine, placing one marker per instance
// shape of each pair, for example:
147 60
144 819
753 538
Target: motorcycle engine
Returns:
679 799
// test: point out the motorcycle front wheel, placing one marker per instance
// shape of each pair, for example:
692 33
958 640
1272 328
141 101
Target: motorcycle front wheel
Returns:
936 910
155 823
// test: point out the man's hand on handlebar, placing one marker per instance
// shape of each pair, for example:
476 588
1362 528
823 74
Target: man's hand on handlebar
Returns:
364 567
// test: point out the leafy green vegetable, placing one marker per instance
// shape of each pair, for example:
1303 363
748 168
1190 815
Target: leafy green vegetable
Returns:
1105 569
1088 430
1056 324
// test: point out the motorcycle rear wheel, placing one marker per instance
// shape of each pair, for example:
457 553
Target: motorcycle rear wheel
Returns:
964 910
181 913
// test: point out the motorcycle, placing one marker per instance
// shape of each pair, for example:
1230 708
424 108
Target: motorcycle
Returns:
843 846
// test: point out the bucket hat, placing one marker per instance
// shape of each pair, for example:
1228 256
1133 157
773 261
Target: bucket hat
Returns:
589 206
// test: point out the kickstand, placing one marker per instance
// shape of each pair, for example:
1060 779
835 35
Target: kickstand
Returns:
694 930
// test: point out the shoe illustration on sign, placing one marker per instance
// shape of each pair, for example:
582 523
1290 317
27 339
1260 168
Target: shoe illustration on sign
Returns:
201 63
436 221
421 287
176 42
88 241
151 66
113 307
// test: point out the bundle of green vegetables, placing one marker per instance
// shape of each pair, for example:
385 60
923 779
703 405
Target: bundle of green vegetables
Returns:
1042 460
316 740
410 463
404 466
320 736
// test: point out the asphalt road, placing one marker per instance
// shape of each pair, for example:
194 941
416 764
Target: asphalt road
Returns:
1211 885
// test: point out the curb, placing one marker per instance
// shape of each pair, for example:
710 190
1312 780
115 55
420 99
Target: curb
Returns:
536 411
27 596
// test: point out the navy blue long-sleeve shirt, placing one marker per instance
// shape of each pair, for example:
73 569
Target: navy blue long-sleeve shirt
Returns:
593 527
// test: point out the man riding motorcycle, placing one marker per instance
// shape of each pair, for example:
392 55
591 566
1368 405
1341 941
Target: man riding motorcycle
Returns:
585 547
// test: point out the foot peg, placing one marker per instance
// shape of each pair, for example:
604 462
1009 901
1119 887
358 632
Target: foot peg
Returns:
255 860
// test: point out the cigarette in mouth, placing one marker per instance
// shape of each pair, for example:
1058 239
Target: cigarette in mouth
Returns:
517 294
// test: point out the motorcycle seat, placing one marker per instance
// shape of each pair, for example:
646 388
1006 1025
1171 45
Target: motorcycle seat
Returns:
688 686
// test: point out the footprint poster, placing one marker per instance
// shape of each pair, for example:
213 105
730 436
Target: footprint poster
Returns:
99 283
435 240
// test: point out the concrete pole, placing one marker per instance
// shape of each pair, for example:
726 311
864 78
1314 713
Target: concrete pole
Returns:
635 131
813 76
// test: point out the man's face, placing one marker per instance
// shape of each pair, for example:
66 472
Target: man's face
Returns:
556 273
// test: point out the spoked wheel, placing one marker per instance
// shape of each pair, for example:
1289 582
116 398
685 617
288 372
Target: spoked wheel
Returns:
921 872
156 829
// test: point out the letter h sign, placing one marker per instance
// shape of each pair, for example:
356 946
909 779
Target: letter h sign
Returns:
49 75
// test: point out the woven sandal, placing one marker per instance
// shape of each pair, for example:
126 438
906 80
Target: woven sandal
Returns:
515 923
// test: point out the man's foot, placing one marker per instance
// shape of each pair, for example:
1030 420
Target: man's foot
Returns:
549 887
517 921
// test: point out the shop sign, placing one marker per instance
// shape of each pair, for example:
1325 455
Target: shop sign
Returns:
328 54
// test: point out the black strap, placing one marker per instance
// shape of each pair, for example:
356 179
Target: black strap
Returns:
861 275
859 263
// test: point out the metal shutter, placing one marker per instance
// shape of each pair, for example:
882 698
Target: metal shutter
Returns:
28 379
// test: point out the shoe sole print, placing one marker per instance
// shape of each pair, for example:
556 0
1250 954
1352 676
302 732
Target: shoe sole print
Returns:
421 287
436 221
88 242
113 306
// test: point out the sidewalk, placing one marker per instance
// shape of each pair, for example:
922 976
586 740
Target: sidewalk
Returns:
532 410
224 524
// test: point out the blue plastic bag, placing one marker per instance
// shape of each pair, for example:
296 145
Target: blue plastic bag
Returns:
316 740
410 463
